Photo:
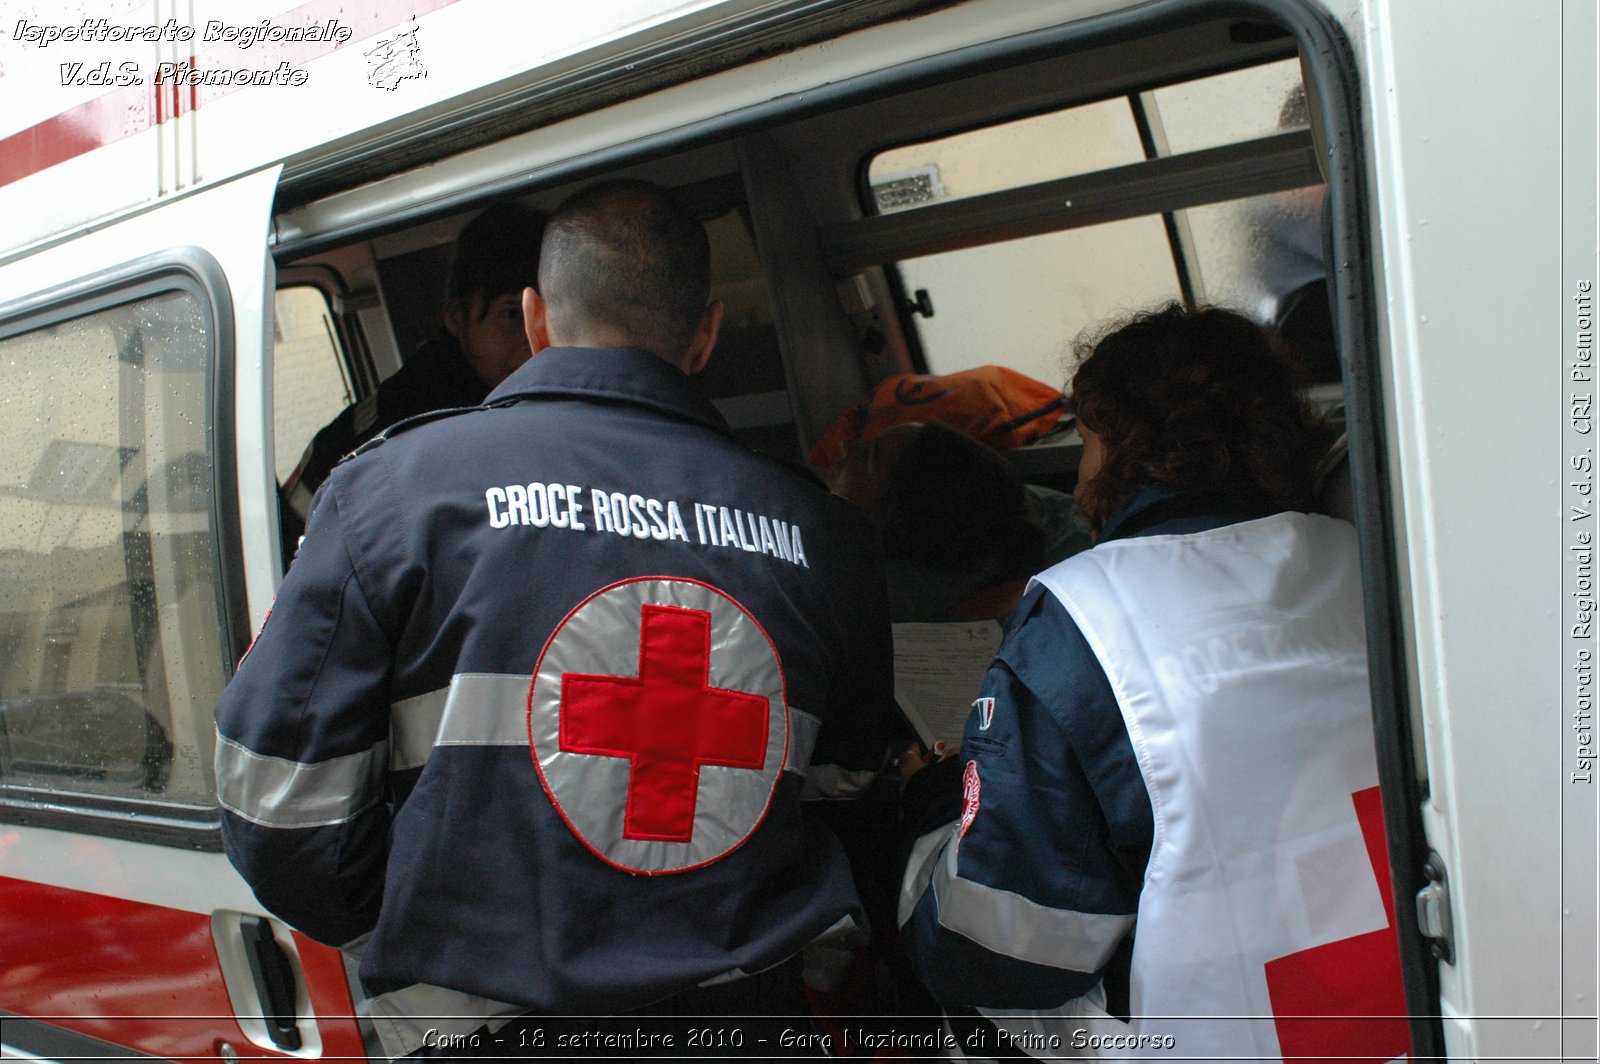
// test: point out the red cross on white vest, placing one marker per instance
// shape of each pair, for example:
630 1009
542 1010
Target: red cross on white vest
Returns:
1346 997
667 722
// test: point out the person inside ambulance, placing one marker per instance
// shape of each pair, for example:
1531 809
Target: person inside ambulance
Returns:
479 342
961 531
1175 737
541 706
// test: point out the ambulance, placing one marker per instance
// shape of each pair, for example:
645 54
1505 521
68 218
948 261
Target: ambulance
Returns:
221 223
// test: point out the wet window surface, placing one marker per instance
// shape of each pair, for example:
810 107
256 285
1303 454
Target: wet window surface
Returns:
110 650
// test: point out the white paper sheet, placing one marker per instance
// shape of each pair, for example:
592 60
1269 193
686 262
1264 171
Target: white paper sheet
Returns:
938 669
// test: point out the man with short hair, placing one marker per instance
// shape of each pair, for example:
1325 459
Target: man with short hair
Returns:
539 698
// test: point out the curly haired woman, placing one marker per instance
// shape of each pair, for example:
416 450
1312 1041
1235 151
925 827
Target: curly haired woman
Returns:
1175 736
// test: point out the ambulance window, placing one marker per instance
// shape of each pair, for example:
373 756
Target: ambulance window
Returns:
1021 302
1204 191
1258 256
1228 108
310 385
1081 140
413 284
111 650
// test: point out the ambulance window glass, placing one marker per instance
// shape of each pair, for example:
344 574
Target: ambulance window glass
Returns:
1227 108
1261 255
111 651
1031 295
1080 140
1022 300
309 383
1020 303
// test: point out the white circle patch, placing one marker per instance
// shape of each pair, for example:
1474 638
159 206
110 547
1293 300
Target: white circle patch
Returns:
658 723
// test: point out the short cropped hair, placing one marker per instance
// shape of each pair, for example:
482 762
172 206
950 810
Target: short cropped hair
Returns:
622 255
498 252
1199 400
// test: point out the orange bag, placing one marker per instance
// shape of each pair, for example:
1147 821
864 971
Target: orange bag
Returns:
992 404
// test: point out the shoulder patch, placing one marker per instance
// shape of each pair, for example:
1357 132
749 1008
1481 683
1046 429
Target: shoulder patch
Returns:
971 798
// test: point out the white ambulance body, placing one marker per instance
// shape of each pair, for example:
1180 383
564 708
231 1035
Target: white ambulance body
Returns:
220 223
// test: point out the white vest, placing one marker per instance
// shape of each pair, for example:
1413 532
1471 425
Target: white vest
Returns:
1238 659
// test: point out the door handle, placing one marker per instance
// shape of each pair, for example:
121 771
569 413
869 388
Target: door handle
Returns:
274 979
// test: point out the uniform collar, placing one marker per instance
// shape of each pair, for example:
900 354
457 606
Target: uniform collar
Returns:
1157 509
616 374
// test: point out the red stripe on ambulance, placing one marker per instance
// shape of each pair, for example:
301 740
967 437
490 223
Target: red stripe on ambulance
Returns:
143 976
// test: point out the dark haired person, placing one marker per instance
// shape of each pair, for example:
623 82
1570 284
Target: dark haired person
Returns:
1169 801
479 342
538 700
961 531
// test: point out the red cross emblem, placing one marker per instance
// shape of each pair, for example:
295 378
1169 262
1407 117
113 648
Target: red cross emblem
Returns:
655 701
1347 994
667 721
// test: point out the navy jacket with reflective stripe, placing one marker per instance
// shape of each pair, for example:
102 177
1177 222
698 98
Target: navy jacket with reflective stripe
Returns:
1064 827
460 866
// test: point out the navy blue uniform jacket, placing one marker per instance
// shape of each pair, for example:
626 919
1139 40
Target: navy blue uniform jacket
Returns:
428 584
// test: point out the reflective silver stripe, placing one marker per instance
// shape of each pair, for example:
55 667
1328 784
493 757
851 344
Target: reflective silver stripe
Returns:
414 724
404 1018
1012 925
477 709
491 709
919 869
831 781
278 793
822 781
729 976
803 729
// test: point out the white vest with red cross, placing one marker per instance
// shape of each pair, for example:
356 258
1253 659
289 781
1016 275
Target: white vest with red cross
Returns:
1265 921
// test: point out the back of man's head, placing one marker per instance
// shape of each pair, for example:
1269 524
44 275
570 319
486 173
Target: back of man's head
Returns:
623 266
497 252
